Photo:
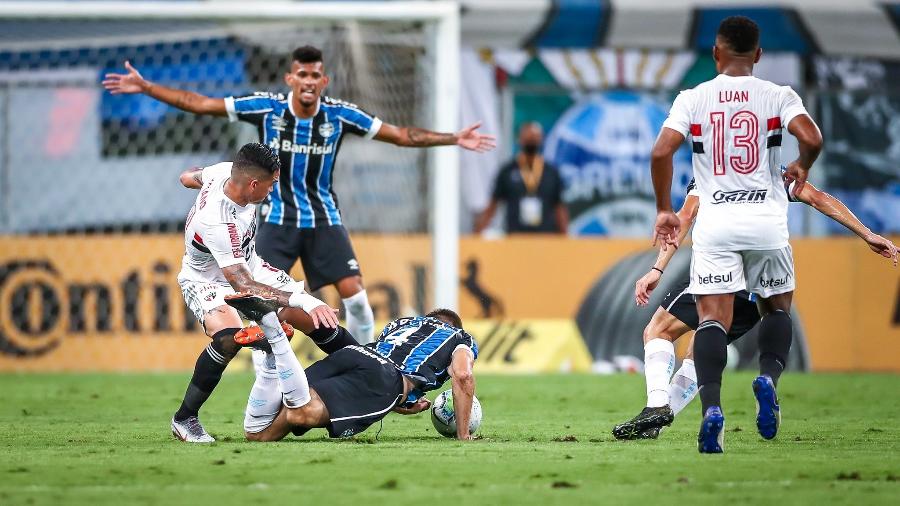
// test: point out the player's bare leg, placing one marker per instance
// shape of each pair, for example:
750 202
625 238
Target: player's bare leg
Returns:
221 324
775 337
309 416
659 359
710 353
360 319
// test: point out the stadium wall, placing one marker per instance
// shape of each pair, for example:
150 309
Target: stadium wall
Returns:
111 303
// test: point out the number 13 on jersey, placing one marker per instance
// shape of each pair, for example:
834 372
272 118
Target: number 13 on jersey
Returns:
744 133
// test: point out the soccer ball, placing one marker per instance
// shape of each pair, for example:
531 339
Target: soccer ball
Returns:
443 417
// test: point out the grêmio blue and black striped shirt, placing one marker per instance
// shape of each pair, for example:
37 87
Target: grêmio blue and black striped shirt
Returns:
304 196
422 349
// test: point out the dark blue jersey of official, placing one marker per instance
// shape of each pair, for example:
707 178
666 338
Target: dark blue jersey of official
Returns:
422 348
304 196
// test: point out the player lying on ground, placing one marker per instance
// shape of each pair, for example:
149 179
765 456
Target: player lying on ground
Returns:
220 259
356 386
668 394
740 241
306 129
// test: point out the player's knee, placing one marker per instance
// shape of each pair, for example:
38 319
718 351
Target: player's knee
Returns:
223 342
663 326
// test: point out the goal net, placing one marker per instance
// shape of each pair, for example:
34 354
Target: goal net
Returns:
91 209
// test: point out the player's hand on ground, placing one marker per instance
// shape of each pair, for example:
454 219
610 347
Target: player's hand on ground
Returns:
470 138
666 230
645 286
796 174
883 247
324 316
118 84
467 437
420 405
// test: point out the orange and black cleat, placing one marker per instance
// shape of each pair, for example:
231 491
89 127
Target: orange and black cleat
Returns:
253 334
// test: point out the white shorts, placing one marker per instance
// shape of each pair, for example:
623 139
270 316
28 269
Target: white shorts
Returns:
763 272
202 297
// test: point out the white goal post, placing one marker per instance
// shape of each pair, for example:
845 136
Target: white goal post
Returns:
445 102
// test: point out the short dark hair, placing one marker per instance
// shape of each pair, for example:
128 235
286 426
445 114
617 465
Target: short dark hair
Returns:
448 316
307 54
256 157
740 33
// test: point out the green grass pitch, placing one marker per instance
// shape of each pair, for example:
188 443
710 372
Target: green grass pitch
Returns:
104 439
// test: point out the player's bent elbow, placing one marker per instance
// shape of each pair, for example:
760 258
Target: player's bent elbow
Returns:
811 139
660 154
186 178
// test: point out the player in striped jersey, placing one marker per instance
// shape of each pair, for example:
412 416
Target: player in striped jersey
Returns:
357 386
668 394
303 219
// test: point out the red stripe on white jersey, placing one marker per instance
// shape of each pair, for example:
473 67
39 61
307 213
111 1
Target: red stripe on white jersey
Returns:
773 123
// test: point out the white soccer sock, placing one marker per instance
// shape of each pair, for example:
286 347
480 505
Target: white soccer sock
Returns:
265 395
360 319
659 361
291 376
683 387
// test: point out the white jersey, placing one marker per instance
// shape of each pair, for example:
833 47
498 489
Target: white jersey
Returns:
736 124
218 233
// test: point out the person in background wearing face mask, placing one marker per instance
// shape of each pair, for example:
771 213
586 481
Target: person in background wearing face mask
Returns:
531 189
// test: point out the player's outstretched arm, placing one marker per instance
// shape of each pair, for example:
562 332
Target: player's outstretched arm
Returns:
238 276
463 384
413 137
192 178
649 281
133 82
836 210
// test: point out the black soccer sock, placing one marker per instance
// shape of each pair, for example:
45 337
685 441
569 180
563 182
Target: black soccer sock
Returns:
775 336
207 372
710 355
331 340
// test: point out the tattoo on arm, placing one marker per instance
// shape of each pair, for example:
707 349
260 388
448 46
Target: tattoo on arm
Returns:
419 137
240 279
198 176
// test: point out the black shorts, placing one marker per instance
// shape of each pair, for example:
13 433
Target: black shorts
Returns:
681 304
325 252
358 386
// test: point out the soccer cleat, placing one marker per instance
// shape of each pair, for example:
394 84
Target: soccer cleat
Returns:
251 335
650 433
647 420
252 306
768 412
711 438
190 431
